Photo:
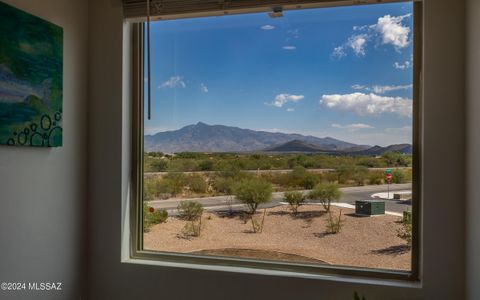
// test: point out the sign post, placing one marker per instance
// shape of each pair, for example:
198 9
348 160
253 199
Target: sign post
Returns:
388 177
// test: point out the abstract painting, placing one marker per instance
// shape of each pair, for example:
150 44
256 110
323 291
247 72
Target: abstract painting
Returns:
31 80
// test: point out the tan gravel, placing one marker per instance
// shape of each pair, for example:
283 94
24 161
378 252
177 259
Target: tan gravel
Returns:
363 242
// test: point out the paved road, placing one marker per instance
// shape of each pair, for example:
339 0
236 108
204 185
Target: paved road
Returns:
349 195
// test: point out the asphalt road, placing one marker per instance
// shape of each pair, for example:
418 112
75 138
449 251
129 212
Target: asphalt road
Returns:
349 195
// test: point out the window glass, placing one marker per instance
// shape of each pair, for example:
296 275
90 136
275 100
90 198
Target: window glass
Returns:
286 139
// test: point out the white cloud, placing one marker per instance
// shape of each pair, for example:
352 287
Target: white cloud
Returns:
403 66
267 27
289 47
382 89
290 109
173 82
392 30
358 87
203 88
281 99
358 43
339 52
352 127
368 104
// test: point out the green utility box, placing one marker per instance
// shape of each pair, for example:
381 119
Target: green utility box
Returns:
370 207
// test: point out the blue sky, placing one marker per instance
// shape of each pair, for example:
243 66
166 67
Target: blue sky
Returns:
342 72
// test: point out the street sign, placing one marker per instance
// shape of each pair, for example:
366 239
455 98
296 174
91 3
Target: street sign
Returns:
389 177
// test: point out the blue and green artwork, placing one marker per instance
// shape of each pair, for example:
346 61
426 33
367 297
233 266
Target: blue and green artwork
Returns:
31 76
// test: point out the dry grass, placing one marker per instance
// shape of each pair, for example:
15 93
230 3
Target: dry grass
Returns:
364 242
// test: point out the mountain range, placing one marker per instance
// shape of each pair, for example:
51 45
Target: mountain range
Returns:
202 137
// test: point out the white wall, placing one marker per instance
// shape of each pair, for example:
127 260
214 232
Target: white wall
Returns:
473 149
43 191
444 175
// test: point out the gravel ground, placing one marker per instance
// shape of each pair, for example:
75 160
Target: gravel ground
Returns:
364 241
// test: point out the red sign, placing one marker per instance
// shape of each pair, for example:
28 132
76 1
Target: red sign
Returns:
389 177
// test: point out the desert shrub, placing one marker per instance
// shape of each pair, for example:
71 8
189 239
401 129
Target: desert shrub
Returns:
182 165
205 165
149 189
152 216
294 199
224 185
309 181
253 192
325 193
197 183
305 161
396 159
228 169
369 162
257 225
190 155
348 173
360 175
405 232
297 174
299 177
190 210
398 176
331 177
344 174
159 165
174 183
156 188
376 177
192 228
334 223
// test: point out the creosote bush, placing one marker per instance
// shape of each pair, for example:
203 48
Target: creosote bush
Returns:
193 228
190 210
405 232
224 185
152 216
325 193
334 223
253 192
294 199
257 225
174 182
197 184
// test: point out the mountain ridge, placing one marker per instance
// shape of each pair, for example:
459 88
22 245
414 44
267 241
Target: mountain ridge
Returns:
220 138
202 137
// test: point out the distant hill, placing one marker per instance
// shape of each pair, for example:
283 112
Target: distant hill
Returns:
301 146
298 146
378 150
202 137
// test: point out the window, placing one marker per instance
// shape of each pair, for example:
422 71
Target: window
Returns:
285 140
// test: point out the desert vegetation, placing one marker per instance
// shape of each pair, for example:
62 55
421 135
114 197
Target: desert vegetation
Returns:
251 179
197 161
405 231
325 193
151 216
220 174
295 199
